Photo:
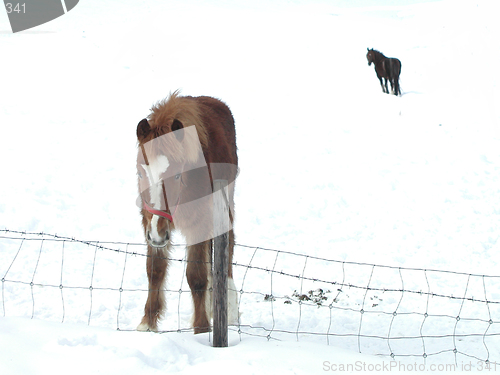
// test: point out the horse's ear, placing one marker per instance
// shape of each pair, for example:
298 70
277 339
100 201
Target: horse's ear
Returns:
143 129
177 125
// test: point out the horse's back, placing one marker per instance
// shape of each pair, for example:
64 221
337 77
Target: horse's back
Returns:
219 123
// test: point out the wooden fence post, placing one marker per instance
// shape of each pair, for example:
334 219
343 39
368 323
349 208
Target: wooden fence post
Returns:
220 263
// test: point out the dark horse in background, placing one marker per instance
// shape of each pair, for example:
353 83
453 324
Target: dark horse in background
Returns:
387 68
184 144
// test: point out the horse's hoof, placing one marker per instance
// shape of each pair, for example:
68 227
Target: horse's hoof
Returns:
144 327
201 330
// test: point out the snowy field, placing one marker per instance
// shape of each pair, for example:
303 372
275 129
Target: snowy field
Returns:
367 224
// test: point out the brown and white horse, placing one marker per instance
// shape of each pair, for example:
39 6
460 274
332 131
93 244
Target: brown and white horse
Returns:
185 144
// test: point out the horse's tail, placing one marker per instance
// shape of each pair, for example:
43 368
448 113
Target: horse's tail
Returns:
399 87
398 62
395 71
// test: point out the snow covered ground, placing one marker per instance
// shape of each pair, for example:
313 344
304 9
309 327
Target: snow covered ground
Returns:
330 168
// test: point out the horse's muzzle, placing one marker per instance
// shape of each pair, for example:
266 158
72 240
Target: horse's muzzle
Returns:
155 242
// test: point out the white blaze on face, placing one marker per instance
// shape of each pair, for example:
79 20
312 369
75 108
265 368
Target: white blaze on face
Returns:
154 171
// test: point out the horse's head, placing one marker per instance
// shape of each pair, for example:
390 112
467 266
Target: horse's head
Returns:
159 178
370 56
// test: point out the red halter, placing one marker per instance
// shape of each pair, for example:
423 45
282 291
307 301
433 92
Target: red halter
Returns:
162 213
159 212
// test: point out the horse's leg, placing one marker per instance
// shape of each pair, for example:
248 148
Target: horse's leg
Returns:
386 88
398 89
381 84
156 267
197 275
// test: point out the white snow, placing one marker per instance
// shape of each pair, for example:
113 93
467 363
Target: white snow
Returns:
330 167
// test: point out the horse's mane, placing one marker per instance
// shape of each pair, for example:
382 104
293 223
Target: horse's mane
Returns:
377 53
161 119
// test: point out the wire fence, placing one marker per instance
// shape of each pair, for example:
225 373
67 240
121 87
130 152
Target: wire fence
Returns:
374 309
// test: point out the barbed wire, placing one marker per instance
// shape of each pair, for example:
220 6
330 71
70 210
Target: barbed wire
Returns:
452 317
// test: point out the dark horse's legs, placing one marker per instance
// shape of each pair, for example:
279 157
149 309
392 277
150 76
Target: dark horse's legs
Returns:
156 267
397 90
384 88
395 86
381 84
